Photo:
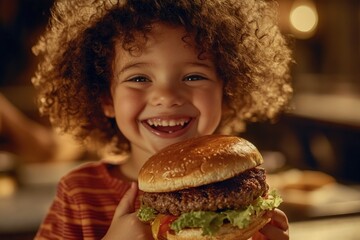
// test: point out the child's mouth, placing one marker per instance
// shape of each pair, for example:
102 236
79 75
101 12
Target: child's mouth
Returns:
167 126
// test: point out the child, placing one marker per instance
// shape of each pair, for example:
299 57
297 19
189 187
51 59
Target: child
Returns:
139 75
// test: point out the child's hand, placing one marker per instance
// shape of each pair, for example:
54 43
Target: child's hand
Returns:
125 223
276 229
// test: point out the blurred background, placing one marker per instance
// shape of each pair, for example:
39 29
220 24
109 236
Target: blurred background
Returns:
312 153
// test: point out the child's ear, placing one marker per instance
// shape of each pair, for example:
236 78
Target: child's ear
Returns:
108 106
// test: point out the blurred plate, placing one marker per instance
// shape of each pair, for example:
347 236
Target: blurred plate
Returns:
314 194
332 199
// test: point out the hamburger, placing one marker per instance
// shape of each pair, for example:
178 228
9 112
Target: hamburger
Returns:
209 187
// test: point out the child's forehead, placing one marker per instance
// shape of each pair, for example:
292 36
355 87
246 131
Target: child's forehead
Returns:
164 45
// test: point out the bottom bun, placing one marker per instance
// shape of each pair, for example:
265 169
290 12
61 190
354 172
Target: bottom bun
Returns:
226 232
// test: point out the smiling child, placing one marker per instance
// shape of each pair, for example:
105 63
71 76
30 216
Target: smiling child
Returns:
141 75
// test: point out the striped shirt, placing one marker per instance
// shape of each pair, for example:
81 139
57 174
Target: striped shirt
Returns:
85 203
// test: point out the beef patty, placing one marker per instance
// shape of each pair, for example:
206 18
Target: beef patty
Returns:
234 193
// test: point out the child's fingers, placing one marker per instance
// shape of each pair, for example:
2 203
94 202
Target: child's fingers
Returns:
125 219
278 227
126 204
279 219
274 233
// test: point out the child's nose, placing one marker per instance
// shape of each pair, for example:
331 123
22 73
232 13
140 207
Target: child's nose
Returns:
167 97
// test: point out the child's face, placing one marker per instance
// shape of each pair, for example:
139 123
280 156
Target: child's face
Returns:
165 94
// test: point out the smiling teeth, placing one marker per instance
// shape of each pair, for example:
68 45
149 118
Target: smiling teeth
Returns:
167 123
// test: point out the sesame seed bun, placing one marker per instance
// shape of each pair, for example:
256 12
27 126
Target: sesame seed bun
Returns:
198 161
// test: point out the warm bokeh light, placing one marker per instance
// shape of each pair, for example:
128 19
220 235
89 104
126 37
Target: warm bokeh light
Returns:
303 19
7 186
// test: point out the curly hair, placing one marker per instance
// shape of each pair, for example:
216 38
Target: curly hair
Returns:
77 51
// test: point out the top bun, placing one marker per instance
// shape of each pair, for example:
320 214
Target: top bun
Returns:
198 161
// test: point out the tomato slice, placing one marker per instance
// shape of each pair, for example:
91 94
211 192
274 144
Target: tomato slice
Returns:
165 224
161 225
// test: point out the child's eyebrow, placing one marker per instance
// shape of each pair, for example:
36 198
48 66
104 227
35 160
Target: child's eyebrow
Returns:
130 65
206 64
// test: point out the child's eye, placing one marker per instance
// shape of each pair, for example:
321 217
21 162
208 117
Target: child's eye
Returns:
138 79
194 78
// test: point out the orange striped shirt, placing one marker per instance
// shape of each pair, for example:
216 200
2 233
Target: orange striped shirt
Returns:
85 203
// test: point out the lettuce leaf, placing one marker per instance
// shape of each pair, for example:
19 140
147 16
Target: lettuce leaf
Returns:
242 218
146 214
210 222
